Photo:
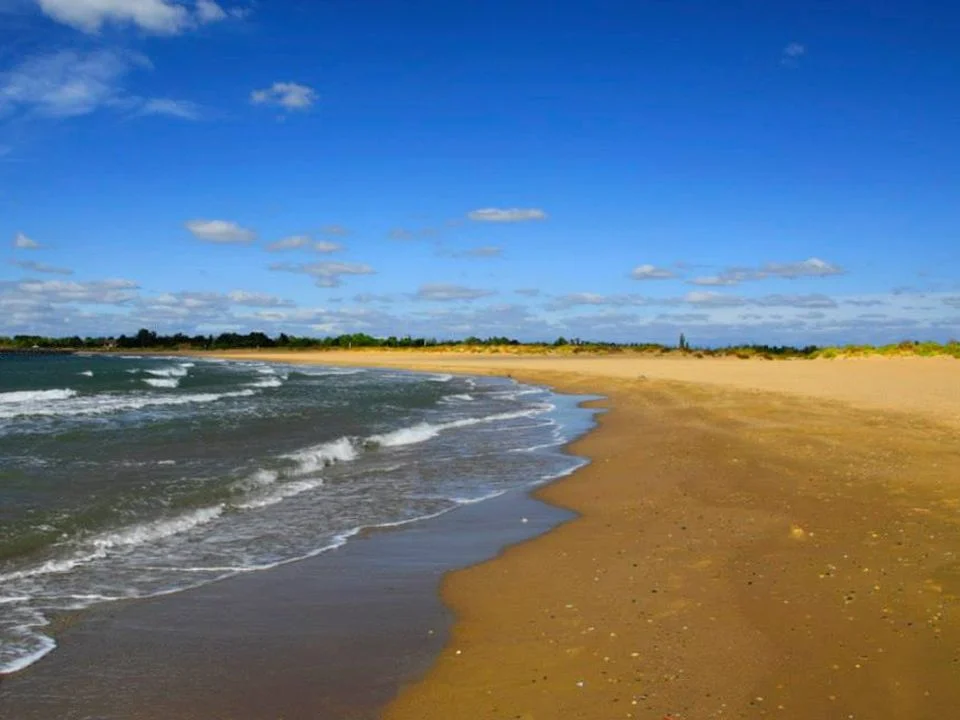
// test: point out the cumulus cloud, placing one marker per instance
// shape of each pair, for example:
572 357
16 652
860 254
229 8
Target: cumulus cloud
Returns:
326 246
713 299
325 274
288 95
159 17
446 292
651 272
220 231
528 292
813 268
32 266
796 301
22 242
508 215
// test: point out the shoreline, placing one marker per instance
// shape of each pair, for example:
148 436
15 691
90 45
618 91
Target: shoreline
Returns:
739 551
157 644
734 554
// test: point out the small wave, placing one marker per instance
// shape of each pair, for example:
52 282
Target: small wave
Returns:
107 403
441 378
320 456
30 396
30 647
406 436
174 371
328 371
169 383
157 530
86 373
458 397
474 500
425 431
267 382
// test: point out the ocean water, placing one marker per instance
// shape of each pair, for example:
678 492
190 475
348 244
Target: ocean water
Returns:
131 477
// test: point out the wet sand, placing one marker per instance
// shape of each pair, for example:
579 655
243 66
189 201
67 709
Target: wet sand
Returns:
328 638
741 552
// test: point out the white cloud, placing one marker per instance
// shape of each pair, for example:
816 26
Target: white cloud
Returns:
651 272
325 274
326 246
792 53
160 17
22 242
952 301
812 267
298 242
291 242
507 215
68 83
288 95
104 292
712 299
220 231
445 292
32 266
183 109
528 292
256 299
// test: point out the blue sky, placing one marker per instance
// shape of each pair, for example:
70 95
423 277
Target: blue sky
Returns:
744 171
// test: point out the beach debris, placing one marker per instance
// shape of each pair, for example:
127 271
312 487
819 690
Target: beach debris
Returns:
523 520
797 532
580 683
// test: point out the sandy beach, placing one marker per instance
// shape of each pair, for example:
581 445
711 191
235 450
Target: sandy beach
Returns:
755 538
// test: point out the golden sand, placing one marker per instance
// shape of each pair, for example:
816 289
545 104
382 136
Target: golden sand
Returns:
761 539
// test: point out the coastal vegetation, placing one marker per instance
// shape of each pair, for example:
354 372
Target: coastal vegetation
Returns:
148 340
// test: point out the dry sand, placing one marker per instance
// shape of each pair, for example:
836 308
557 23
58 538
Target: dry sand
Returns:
763 539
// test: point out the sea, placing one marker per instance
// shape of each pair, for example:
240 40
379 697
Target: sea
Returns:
127 477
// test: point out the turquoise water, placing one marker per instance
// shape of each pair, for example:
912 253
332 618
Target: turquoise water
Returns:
125 477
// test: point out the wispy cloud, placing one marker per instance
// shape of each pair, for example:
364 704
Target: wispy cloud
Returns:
290 96
446 292
304 242
335 230
69 83
791 53
23 242
159 17
813 267
484 252
325 274
509 215
183 109
32 266
400 233
651 272
256 299
528 292
220 231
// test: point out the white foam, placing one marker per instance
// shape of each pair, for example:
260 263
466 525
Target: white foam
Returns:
407 436
157 530
440 378
474 500
426 431
268 382
320 456
21 657
31 396
110 403
86 373
460 397
174 371
169 383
